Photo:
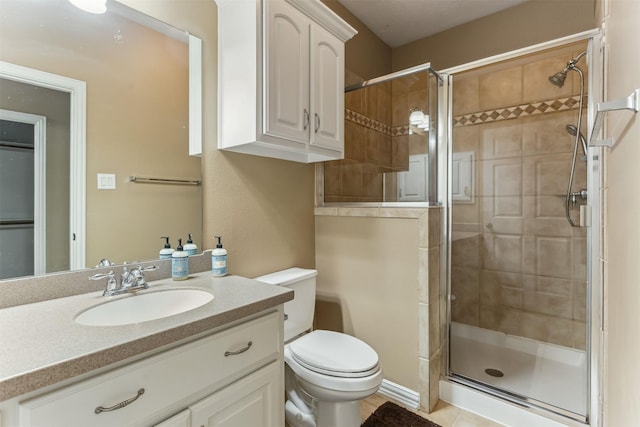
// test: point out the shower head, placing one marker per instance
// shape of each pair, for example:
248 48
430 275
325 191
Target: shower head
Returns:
572 130
558 78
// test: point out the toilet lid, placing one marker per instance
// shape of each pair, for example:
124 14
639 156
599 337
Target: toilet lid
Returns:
336 354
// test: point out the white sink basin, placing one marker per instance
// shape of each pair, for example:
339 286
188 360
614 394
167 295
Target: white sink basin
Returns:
137 308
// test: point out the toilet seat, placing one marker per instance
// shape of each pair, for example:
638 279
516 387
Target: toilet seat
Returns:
334 354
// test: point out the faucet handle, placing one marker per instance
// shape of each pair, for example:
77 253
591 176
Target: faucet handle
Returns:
111 281
138 274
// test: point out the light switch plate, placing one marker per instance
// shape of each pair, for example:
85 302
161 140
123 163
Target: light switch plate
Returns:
106 181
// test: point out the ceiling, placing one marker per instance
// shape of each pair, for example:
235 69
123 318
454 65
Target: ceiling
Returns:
398 22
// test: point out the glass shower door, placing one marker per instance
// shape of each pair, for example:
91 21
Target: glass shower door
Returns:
518 268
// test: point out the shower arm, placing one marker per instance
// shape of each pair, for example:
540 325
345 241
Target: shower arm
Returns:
572 63
631 102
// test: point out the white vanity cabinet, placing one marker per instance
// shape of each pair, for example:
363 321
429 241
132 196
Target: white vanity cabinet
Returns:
281 79
234 374
252 401
181 419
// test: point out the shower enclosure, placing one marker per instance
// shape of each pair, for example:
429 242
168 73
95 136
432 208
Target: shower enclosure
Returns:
390 142
519 258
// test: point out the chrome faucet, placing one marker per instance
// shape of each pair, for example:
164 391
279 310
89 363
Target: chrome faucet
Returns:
130 280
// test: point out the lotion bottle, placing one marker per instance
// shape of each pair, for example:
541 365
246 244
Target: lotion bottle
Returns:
190 248
179 263
166 252
219 259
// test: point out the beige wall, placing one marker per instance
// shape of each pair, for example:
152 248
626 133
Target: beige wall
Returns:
532 22
622 372
367 271
262 208
366 55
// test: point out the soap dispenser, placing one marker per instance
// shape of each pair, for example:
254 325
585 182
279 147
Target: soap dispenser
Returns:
219 259
166 252
190 248
179 263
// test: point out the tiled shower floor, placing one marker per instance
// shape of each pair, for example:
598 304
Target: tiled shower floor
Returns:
547 373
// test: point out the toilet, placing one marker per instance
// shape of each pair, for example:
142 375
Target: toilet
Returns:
326 373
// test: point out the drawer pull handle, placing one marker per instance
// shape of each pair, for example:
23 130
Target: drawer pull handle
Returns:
242 350
120 405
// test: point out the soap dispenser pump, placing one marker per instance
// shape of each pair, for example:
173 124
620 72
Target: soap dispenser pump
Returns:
190 248
219 259
179 263
166 252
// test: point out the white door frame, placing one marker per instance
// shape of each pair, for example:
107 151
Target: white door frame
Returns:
39 184
77 91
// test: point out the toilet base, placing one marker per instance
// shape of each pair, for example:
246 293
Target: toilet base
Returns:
327 414
343 414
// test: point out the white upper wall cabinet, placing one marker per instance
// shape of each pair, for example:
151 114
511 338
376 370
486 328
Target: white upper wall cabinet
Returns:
281 79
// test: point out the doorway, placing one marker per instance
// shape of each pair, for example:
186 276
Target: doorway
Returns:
66 123
22 194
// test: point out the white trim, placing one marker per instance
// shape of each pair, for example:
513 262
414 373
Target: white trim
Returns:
326 18
195 96
494 409
39 184
77 144
401 394
596 253
585 35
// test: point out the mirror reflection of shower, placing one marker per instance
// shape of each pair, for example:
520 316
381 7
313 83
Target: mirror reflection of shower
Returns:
558 80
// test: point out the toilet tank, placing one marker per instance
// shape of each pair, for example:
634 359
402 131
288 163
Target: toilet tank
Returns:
299 311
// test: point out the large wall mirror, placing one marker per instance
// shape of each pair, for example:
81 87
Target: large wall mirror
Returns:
88 101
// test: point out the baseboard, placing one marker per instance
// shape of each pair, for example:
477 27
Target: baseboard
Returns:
400 394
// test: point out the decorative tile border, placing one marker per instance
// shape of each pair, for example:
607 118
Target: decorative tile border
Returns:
480 117
378 126
518 111
367 122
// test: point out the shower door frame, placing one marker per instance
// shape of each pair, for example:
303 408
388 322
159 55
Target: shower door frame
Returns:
595 232
434 144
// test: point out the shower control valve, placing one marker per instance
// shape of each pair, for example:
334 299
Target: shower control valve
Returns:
582 194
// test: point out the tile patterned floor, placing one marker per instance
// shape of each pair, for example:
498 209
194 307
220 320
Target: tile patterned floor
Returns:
444 414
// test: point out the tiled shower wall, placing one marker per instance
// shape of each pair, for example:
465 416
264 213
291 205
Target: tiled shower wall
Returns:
377 139
517 265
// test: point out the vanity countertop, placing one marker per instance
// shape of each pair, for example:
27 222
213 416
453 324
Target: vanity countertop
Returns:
41 344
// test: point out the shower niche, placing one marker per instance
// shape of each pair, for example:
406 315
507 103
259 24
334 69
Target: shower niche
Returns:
390 141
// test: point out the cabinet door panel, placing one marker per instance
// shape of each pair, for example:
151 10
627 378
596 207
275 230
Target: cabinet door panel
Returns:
182 419
256 400
327 93
287 73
